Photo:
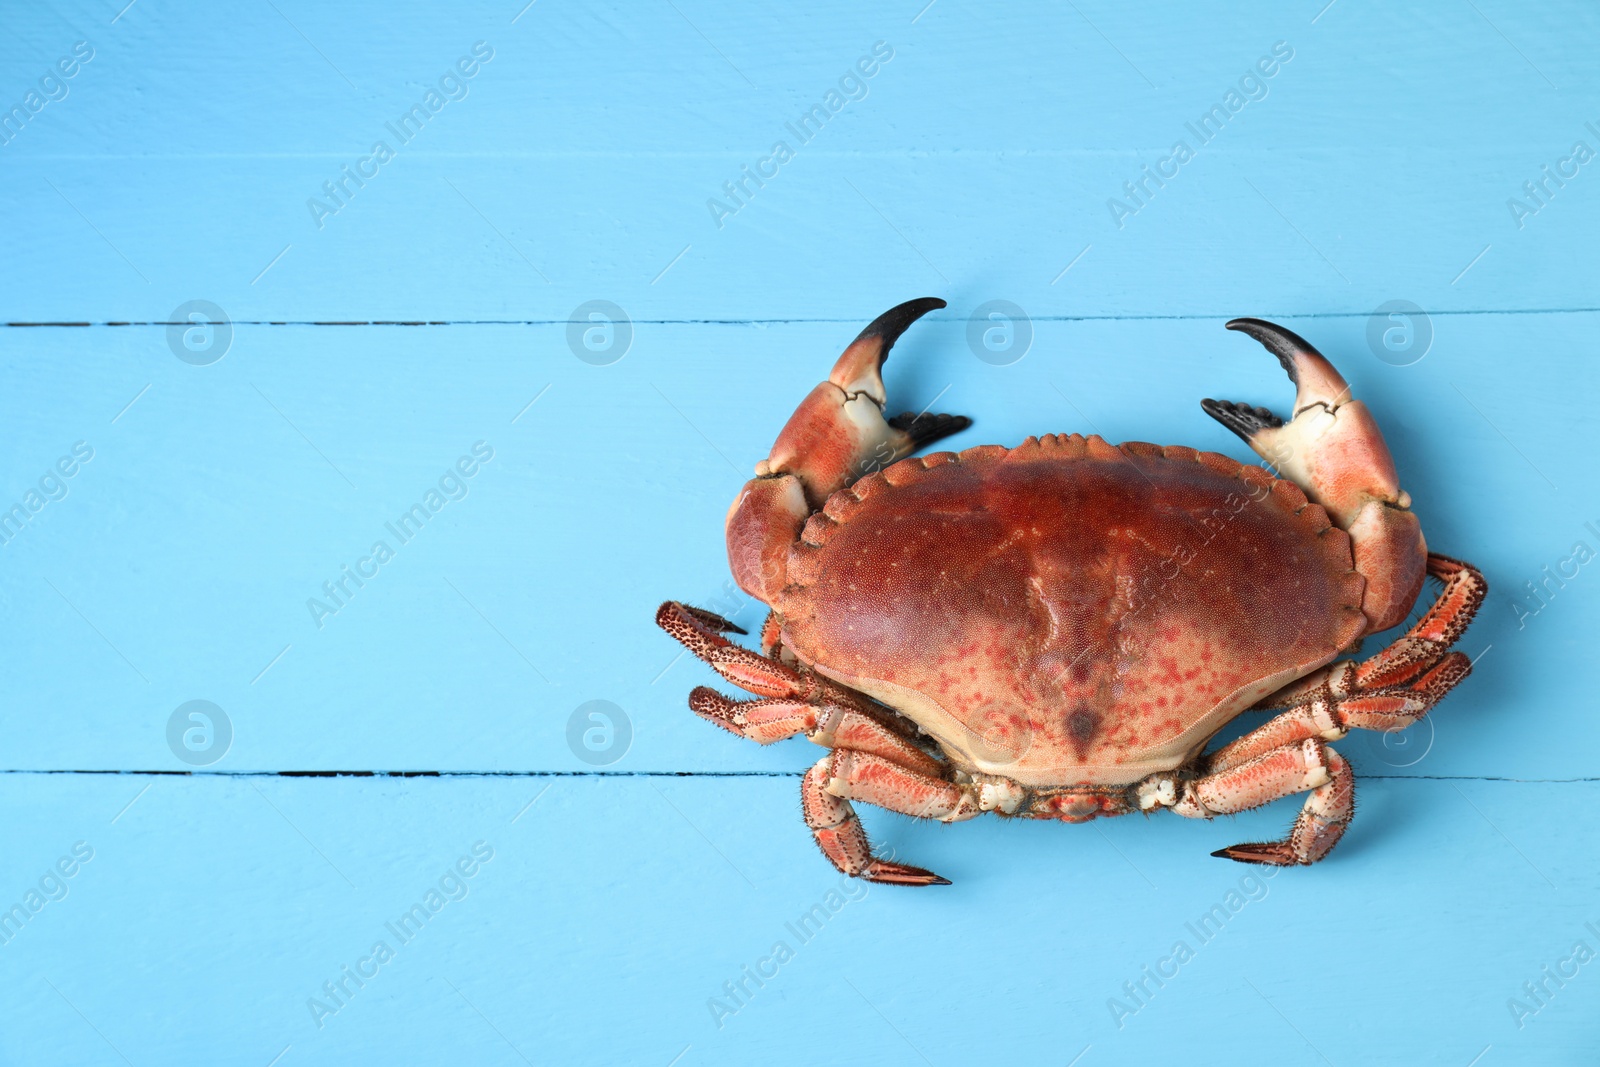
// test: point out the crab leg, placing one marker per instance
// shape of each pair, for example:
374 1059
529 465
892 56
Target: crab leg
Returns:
1420 647
1441 627
873 758
1332 448
1389 691
878 766
1280 772
839 834
888 784
828 724
887 781
1331 718
700 632
796 702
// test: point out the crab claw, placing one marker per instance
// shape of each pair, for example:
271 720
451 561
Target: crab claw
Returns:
857 370
839 432
836 435
1332 448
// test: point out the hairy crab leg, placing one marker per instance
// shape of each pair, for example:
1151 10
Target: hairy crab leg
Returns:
838 832
888 784
766 676
749 670
772 636
797 702
1307 765
1330 717
1442 625
1416 650
851 774
893 761
1389 691
827 724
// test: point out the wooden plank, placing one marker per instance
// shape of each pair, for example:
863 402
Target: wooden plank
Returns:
629 888
581 159
613 912
181 562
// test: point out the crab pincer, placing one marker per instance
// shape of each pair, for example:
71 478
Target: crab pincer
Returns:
836 435
1332 447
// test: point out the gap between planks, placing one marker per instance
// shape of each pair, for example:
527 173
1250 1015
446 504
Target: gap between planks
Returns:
1194 317
654 774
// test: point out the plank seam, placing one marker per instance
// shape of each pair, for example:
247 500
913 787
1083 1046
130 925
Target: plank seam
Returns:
649 774
1193 317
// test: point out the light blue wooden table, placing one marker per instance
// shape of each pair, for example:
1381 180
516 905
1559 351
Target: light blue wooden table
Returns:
399 316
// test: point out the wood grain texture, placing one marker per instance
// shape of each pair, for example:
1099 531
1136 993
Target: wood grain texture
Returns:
1377 164
612 913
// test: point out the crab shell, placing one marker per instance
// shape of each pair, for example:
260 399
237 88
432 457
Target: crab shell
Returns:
1069 611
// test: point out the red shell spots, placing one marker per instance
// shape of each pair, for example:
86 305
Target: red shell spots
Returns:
1065 609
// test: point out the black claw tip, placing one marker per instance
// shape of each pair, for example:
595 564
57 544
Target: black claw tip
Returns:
1275 854
1232 853
713 621
937 880
925 428
1242 419
1277 340
894 322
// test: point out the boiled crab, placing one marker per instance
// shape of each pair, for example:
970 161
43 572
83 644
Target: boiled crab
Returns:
1058 630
